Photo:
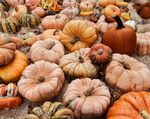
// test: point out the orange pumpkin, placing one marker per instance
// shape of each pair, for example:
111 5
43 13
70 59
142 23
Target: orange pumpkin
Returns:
127 73
88 98
49 50
78 34
39 11
32 3
54 21
133 105
45 78
145 11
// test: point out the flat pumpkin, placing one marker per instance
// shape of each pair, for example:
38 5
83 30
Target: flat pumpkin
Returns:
78 34
78 64
127 73
45 78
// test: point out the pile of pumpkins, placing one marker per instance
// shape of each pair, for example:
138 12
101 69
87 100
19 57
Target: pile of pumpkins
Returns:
80 39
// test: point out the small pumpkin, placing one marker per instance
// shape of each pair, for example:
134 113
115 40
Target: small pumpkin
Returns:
14 3
127 73
49 50
88 98
30 20
132 105
51 33
14 69
70 12
39 11
110 11
70 3
100 53
54 22
4 5
144 13
123 43
78 34
45 78
32 3
78 64
94 2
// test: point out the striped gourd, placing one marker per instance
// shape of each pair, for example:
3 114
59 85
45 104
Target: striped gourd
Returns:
30 20
4 5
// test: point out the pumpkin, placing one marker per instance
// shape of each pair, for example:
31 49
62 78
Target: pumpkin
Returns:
126 16
51 110
45 78
9 24
70 12
104 3
49 50
39 11
51 33
110 11
96 15
78 34
70 3
13 69
123 43
100 53
4 5
86 8
127 73
32 3
78 64
132 105
143 43
2 90
14 3
30 20
54 21
7 51
88 98
94 2
144 13
9 102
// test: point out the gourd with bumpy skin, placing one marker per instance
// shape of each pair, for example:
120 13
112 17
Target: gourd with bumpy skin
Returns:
45 78
88 98
78 64
127 73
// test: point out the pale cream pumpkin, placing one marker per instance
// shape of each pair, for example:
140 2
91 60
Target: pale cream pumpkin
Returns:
49 50
127 73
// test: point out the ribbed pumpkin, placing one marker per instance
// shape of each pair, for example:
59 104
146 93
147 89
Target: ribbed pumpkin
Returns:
88 98
4 5
30 20
127 73
78 34
70 3
9 24
133 105
78 64
45 78
14 69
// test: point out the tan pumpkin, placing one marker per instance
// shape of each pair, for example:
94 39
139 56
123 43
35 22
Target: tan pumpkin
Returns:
32 3
39 11
78 64
127 73
51 33
14 3
69 3
70 12
7 51
143 43
78 34
49 50
54 21
45 78
88 98
14 69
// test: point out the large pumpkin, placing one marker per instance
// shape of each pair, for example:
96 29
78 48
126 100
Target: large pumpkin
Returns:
14 3
78 64
88 98
78 34
12 71
127 73
7 51
54 21
41 81
121 39
49 50
133 105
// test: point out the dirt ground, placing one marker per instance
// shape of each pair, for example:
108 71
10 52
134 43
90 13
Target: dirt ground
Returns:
26 105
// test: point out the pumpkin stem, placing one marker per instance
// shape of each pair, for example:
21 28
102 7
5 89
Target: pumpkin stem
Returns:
81 60
89 91
57 17
51 45
41 79
55 32
126 66
28 9
100 51
145 115
76 39
119 22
